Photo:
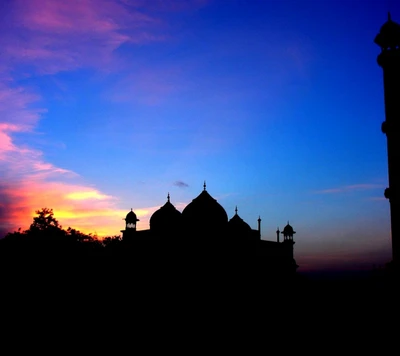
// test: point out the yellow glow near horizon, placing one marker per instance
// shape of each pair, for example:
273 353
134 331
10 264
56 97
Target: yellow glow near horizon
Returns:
90 194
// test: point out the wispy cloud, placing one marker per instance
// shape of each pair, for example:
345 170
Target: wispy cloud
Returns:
47 37
87 195
17 109
29 182
55 36
349 188
180 184
377 199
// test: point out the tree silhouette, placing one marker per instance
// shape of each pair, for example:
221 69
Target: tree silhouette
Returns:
46 237
45 221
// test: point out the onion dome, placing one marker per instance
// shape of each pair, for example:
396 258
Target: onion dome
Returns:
131 218
389 35
288 230
166 218
237 225
204 213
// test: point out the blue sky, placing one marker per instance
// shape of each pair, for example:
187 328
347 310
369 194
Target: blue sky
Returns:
109 105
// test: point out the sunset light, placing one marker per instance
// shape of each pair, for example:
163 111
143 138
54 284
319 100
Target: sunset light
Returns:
113 105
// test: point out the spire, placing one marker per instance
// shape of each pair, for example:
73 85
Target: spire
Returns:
389 17
168 197
204 185
236 210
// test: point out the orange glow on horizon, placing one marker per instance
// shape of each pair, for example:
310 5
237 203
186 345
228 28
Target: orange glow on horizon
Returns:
78 207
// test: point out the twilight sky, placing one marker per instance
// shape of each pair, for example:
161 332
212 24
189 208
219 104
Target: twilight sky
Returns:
108 105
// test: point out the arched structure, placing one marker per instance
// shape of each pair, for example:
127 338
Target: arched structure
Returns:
202 234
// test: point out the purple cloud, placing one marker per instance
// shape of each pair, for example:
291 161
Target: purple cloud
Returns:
181 184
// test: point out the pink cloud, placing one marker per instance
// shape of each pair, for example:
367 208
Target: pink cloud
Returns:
6 143
79 206
54 35
167 6
46 37
15 108
79 16
29 182
97 15
349 188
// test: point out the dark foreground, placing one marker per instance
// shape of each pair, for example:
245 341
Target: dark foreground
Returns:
191 305
173 286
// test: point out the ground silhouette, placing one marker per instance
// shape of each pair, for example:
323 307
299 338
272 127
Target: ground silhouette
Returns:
48 255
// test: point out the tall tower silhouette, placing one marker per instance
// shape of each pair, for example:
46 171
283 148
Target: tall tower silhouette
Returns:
388 39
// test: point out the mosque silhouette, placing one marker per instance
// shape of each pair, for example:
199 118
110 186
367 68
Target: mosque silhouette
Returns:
203 230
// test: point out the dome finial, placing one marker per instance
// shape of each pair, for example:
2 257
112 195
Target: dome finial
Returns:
236 210
204 185
389 17
168 197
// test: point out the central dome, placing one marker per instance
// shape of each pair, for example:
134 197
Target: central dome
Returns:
204 213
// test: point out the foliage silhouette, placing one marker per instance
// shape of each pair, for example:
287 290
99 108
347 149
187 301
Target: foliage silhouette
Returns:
46 239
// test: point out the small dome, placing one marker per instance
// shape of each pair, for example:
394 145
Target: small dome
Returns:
131 217
204 213
389 35
166 218
238 225
288 230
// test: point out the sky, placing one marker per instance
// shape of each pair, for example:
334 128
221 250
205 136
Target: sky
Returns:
108 105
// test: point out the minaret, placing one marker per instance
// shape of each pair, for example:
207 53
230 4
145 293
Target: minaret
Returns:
259 226
277 235
130 225
388 39
288 233
288 243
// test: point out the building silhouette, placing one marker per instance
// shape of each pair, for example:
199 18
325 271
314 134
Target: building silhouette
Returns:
388 39
203 231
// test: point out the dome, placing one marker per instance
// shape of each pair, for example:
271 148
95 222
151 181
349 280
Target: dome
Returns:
288 230
131 217
238 225
204 212
167 217
389 36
